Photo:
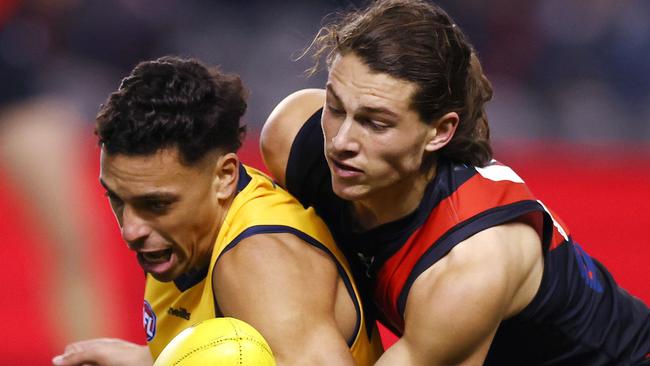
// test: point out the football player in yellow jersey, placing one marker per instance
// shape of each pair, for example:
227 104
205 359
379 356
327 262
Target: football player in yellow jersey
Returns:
214 237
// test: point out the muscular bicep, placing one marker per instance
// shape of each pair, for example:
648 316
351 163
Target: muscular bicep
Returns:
282 126
452 313
455 307
286 289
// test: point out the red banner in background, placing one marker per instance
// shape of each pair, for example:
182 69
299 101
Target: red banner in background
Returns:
602 193
7 9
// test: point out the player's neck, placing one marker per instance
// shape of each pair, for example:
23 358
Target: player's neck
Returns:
208 241
392 203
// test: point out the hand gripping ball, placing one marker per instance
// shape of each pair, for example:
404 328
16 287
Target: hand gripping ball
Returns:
217 341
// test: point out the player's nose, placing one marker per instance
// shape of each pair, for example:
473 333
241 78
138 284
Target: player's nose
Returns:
345 138
134 228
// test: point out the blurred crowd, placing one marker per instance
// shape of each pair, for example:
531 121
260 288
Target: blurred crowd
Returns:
562 69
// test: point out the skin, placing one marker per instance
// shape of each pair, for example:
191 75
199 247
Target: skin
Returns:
374 143
158 206
161 203
375 160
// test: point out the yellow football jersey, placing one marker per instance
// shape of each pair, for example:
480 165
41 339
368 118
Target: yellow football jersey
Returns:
259 207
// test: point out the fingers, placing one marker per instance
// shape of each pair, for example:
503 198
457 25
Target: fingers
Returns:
89 352
81 346
75 359
104 352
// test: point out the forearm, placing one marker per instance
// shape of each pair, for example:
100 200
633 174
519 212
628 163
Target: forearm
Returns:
313 359
397 354
321 350
403 354
306 339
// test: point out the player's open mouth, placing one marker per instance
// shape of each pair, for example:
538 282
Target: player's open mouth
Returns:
158 262
159 256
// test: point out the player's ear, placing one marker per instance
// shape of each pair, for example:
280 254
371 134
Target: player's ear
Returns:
226 175
441 132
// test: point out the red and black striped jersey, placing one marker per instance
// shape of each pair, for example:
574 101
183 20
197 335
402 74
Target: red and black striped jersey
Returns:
579 315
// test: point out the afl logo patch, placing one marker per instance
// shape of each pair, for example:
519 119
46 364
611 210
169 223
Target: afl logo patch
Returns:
149 321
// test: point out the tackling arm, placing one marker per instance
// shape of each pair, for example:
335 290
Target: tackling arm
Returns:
282 126
455 307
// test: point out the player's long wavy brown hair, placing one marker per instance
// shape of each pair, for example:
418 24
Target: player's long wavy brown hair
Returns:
418 42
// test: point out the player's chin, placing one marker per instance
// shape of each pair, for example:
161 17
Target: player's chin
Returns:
349 192
164 277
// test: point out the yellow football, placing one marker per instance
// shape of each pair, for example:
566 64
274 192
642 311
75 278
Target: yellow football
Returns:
217 341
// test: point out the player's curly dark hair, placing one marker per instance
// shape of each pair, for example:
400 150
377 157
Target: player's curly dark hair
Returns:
416 41
173 102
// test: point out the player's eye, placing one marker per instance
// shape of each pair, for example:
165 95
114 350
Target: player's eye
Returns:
114 200
378 126
335 111
374 125
157 206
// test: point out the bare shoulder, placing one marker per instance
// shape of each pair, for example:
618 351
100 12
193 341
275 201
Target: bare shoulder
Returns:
279 284
485 279
282 126
490 263
505 258
267 265
284 251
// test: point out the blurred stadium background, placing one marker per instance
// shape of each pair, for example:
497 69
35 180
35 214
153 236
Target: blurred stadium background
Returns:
571 114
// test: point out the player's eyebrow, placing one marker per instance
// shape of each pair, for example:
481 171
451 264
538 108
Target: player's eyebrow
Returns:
147 197
379 110
330 91
101 181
